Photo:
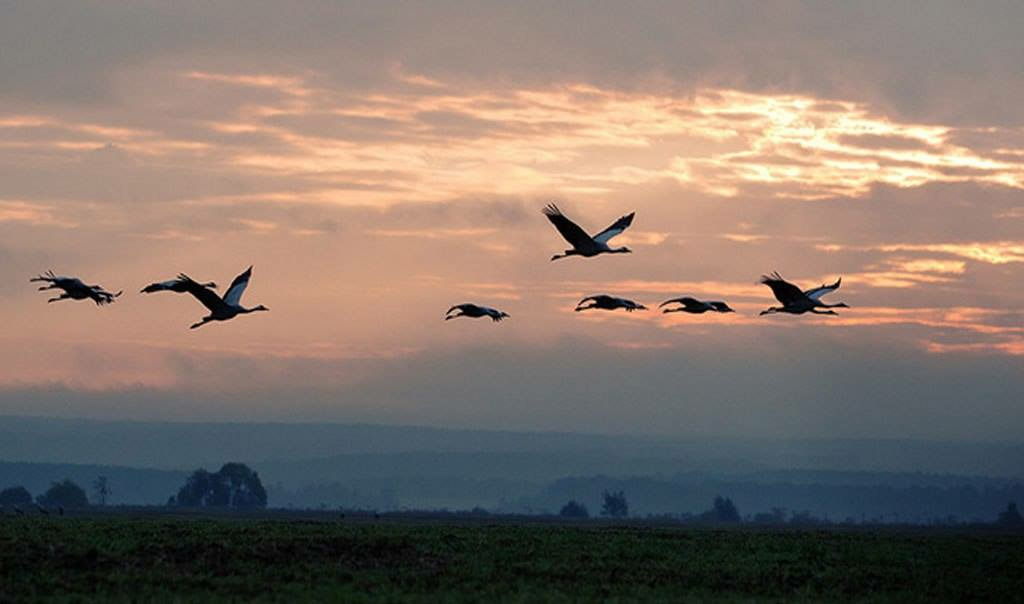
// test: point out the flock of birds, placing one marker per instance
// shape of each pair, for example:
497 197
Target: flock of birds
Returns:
793 300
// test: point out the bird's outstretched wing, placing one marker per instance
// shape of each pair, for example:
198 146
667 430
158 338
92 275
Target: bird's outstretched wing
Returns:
463 307
160 286
615 229
817 292
206 296
595 298
571 231
685 301
784 291
234 294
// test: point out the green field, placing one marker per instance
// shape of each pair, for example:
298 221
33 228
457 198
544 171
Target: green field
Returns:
214 559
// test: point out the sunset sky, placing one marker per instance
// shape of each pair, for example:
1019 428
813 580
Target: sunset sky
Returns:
378 162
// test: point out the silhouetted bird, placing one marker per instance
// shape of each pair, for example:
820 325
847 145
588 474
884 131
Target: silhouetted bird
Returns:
606 302
695 306
221 309
474 311
173 285
74 289
582 243
42 510
796 302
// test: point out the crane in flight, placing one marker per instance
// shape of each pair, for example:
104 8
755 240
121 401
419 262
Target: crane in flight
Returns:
475 311
606 302
74 289
221 309
695 306
582 243
797 302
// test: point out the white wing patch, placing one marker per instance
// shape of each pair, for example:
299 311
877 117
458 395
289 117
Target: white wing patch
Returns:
818 292
607 236
234 294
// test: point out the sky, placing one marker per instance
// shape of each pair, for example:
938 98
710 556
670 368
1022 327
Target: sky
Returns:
378 162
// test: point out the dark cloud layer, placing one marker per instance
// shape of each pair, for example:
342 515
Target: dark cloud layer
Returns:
945 61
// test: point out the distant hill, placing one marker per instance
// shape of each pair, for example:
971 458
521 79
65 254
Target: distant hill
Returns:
185 446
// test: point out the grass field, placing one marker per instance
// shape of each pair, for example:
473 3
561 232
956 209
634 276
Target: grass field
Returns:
195 559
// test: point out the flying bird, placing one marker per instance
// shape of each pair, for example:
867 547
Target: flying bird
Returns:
796 302
582 243
74 289
475 312
694 306
221 309
606 302
173 285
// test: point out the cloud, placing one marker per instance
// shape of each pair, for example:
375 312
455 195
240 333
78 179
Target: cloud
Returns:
376 173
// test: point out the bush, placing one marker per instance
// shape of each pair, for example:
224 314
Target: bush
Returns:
615 504
725 511
574 509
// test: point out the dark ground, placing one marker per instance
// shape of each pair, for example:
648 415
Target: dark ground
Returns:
135 555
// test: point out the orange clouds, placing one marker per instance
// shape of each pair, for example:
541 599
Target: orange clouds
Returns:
284 166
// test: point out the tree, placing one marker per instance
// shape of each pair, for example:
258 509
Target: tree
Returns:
1010 517
234 485
64 493
724 511
101 489
574 509
244 488
615 504
15 496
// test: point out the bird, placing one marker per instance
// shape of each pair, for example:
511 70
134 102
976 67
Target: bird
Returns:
221 309
582 243
74 289
42 510
173 285
606 302
695 306
475 312
796 302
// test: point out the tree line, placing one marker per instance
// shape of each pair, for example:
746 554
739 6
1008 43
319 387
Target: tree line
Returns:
723 511
234 485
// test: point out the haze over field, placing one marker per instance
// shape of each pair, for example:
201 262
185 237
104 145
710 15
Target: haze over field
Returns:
378 162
